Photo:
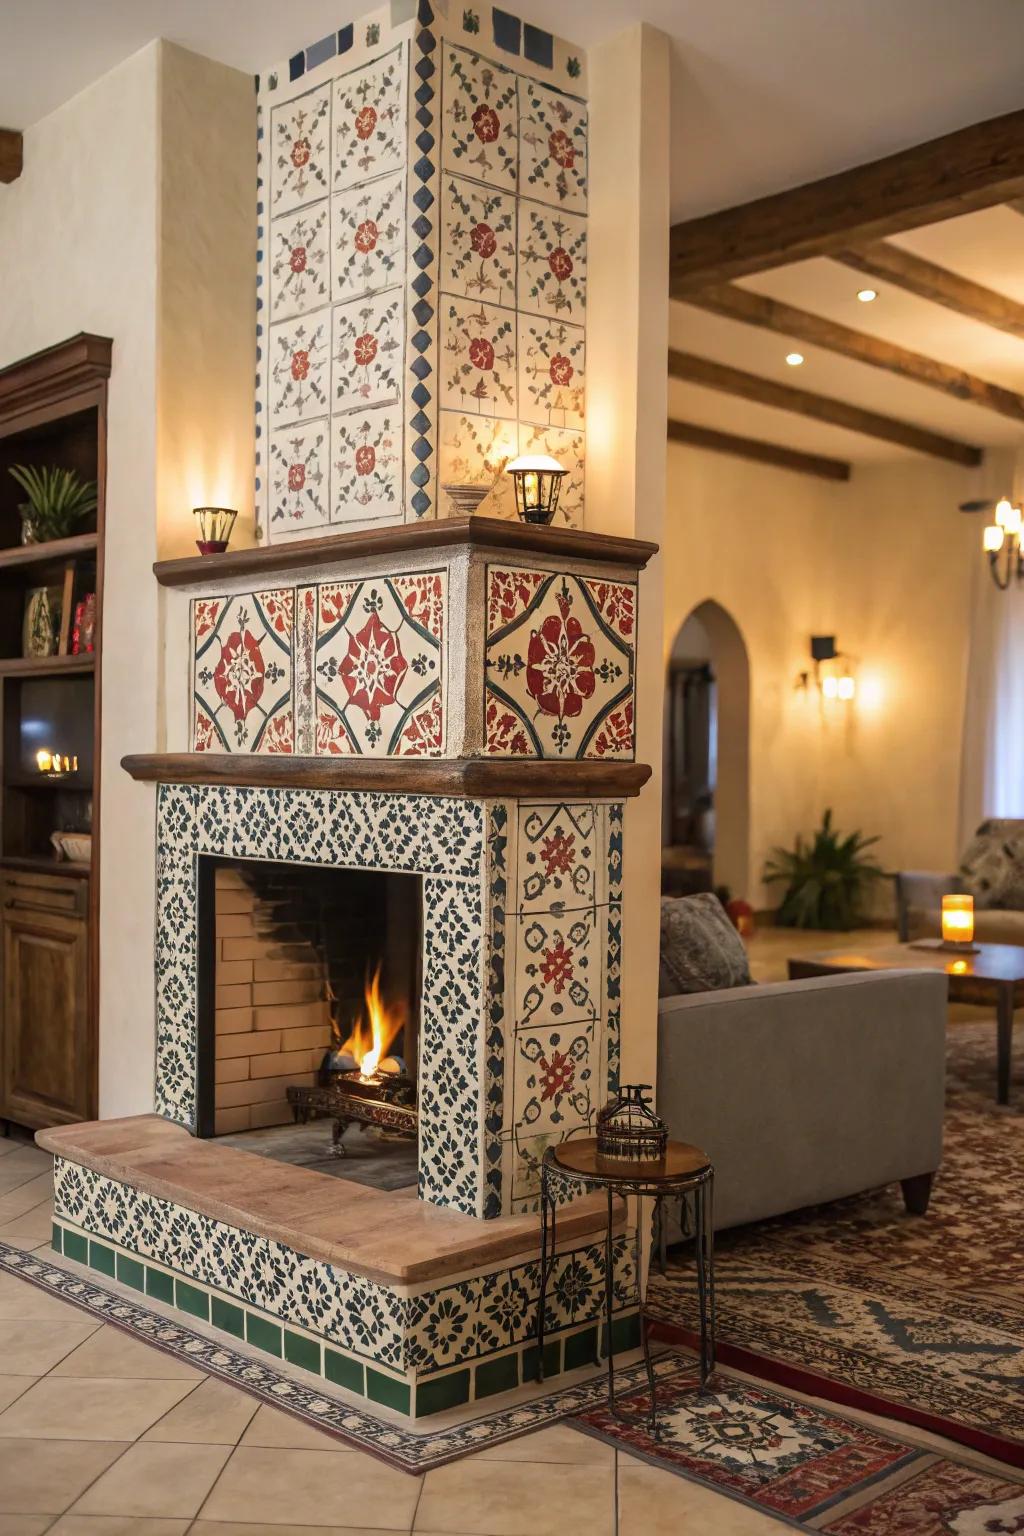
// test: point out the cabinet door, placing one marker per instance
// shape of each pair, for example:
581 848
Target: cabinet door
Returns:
46 1068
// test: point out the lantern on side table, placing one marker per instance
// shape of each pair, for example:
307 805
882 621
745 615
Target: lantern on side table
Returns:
628 1130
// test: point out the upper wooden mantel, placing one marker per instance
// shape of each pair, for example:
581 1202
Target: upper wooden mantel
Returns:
479 533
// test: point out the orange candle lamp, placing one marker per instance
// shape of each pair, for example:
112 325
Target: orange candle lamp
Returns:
958 920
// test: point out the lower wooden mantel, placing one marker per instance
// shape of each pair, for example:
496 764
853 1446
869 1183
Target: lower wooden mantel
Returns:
467 777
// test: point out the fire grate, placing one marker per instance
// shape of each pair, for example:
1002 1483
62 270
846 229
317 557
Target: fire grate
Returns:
386 1100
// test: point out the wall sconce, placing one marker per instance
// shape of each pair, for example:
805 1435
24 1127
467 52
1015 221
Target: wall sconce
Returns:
1002 538
833 670
215 525
958 922
538 480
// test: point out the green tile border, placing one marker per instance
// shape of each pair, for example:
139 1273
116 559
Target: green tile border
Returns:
301 1351
225 1315
344 1371
385 1390
440 1392
55 1238
499 1375
189 1298
76 1247
159 1285
131 1272
262 1333
581 1348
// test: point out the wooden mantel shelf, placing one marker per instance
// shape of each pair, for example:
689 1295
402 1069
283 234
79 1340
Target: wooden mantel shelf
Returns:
468 778
483 533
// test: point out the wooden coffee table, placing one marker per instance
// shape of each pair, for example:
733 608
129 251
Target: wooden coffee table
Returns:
993 977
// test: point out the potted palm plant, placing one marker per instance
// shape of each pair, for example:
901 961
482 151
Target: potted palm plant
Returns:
826 880
58 500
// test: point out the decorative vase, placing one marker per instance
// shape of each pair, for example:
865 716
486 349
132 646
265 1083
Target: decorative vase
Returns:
465 498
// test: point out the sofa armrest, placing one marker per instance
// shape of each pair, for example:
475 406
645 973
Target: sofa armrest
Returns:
919 890
806 1091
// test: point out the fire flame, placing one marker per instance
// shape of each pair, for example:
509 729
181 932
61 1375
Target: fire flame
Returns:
369 1043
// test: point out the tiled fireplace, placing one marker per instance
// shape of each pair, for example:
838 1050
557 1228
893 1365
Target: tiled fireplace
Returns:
507 819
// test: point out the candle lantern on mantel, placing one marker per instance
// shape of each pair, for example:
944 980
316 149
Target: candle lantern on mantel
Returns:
958 921
628 1130
215 525
538 480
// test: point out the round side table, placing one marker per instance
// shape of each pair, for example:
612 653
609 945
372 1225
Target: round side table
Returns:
684 1174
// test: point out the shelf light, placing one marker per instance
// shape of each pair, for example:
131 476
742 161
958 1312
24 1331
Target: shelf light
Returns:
794 359
867 295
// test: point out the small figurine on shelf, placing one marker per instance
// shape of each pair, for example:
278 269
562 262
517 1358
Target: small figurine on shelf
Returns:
42 621
83 631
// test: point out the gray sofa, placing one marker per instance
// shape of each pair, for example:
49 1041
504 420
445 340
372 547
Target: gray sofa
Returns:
806 1091
992 870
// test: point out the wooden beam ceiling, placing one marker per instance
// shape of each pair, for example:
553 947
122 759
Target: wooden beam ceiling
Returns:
889 263
798 324
823 408
10 154
760 452
972 168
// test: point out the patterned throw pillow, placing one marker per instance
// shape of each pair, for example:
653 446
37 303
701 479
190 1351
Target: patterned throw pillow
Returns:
992 867
700 949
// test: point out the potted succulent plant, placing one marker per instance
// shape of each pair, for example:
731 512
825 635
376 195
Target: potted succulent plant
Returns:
57 502
826 879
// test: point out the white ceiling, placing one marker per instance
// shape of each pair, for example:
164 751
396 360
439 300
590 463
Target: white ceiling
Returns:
765 95
987 247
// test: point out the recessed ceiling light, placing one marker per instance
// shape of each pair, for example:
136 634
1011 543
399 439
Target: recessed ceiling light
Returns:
794 359
866 295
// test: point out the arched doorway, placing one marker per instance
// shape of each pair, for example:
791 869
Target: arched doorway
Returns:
706 826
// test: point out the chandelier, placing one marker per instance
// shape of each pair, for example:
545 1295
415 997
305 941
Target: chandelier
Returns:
1001 541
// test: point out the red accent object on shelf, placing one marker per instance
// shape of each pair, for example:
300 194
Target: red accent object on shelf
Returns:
741 915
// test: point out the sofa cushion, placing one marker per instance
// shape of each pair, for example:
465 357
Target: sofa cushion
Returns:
700 949
992 867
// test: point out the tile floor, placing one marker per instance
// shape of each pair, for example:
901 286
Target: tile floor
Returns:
102 1435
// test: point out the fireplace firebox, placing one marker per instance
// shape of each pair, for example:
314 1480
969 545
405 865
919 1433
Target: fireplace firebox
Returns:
308 977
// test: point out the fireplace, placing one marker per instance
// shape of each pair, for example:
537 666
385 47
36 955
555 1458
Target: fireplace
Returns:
309 979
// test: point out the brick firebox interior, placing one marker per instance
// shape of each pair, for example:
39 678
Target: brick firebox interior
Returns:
272 1015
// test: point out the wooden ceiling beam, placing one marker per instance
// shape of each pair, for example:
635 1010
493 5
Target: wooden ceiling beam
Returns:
692 369
10 154
799 325
890 264
761 452
972 168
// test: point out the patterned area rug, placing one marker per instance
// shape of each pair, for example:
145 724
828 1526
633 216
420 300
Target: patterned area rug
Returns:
810 1468
919 1318
345 1417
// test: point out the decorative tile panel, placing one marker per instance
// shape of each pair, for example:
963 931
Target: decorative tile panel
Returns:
366 466
299 361
300 261
552 262
378 666
478 358
553 146
299 474
478 244
299 153
480 119
367 351
550 372
474 448
370 120
368 237
558 665
242 673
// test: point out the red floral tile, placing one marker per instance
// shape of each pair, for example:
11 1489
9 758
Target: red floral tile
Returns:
242 673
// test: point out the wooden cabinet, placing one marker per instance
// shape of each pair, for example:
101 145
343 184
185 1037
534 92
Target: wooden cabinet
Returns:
46 1066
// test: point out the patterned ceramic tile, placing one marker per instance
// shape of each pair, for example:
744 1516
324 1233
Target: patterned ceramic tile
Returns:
299 364
559 667
478 242
368 237
378 666
242 673
553 146
366 466
480 126
368 351
552 256
558 850
555 1078
558 969
568 448
369 120
299 257
550 372
299 471
474 449
299 151
478 358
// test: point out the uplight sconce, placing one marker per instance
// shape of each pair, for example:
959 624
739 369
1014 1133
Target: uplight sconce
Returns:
832 674
1002 542
215 525
538 480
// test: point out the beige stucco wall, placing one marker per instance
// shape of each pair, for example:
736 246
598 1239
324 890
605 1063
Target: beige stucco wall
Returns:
882 562
627 338
115 227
